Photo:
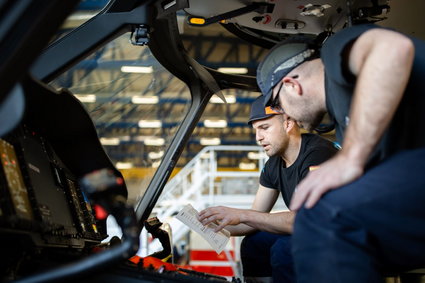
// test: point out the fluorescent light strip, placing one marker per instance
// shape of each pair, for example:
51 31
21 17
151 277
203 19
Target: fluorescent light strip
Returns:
215 123
124 165
137 69
154 141
256 155
124 138
209 141
144 100
155 155
110 141
247 166
156 164
233 70
86 98
229 99
150 124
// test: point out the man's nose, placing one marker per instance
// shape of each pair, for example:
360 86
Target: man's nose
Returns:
259 136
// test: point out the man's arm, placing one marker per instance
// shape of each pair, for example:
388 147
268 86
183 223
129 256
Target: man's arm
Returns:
244 221
382 61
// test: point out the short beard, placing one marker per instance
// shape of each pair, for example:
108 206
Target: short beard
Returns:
314 121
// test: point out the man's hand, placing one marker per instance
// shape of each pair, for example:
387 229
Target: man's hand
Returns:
220 215
332 174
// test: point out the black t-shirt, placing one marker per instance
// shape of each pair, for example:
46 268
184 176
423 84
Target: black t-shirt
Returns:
314 151
406 130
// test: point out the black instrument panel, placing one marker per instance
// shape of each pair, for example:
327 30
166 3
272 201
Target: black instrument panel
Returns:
42 198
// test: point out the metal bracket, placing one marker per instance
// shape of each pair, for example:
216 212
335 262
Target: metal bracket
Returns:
140 35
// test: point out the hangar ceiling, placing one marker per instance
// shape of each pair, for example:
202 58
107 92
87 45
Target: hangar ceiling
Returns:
109 93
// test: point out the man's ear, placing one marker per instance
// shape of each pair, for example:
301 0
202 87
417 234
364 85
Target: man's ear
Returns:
292 84
289 123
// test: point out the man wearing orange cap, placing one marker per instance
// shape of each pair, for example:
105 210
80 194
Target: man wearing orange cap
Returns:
266 250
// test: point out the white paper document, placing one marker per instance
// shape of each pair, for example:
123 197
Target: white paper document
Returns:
218 240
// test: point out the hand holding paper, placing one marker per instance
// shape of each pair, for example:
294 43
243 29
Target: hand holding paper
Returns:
218 240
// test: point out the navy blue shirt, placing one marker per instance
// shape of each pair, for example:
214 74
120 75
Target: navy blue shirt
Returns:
406 130
314 151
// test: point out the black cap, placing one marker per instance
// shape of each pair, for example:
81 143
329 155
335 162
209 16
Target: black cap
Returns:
283 58
259 112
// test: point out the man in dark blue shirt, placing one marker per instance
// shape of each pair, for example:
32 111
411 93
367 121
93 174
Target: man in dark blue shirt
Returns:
363 210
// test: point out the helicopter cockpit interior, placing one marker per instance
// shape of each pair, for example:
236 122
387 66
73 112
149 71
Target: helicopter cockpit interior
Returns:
89 87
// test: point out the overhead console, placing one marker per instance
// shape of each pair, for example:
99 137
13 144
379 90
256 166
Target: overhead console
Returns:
269 21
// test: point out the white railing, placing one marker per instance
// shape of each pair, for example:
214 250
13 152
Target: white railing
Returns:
196 182
200 183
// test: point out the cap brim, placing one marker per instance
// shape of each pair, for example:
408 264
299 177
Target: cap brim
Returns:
265 116
268 97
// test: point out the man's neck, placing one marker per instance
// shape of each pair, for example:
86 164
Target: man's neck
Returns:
317 82
293 150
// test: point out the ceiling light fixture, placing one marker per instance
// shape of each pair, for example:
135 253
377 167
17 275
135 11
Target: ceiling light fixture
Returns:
124 138
154 141
215 123
247 166
156 164
144 99
229 99
228 70
256 155
150 124
137 69
110 141
209 141
86 98
124 165
155 155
